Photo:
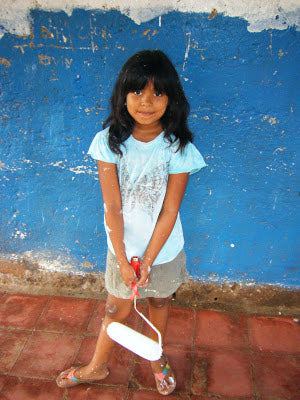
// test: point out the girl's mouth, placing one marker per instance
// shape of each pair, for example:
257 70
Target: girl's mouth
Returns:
145 113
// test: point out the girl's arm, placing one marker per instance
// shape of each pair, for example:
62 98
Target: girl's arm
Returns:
165 223
112 202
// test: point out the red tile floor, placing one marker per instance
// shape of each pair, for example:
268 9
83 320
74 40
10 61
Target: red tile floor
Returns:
214 355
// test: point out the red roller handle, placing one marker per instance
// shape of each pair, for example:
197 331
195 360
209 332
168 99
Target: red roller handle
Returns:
135 263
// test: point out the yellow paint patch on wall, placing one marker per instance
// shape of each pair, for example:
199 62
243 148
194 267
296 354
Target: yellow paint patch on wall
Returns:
213 14
5 62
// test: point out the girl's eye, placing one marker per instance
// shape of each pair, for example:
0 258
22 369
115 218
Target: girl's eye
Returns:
137 92
158 94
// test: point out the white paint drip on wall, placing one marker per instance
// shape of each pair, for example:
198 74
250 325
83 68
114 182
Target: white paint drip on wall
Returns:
260 14
48 261
63 165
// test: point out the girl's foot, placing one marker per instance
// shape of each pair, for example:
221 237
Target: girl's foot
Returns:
76 375
164 376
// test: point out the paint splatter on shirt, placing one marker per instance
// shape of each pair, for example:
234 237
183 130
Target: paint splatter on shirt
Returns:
143 173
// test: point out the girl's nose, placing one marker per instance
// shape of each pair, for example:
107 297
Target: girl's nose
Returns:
147 98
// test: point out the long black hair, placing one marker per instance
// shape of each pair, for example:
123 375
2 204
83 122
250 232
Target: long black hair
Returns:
144 67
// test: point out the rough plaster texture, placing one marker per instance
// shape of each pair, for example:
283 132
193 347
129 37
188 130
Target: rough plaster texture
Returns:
25 277
260 14
238 214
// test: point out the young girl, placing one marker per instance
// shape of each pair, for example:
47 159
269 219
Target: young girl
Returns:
145 156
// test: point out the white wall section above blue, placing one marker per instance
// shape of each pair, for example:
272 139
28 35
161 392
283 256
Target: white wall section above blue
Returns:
260 14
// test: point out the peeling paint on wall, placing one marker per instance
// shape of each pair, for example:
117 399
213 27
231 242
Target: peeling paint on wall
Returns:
238 215
260 14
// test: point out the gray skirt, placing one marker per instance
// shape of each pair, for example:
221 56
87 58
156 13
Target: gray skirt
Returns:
165 278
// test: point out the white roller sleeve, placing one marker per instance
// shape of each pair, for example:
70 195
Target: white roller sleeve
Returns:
134 341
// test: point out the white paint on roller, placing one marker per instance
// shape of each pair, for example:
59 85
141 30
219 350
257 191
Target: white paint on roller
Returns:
260 14
134 341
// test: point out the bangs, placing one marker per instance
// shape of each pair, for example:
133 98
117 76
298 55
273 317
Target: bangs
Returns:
145 69
138 82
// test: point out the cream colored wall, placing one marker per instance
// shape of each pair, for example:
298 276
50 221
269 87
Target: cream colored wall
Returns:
260 14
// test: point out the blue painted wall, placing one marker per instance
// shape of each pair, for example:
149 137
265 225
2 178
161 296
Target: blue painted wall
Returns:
239 214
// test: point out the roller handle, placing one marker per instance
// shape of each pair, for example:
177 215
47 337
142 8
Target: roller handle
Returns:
135 263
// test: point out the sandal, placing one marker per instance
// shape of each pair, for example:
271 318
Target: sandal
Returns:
165 380
68 379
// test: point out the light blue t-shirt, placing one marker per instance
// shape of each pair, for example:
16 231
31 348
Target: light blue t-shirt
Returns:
143 173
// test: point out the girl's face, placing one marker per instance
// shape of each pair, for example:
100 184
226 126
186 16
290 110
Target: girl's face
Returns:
147 106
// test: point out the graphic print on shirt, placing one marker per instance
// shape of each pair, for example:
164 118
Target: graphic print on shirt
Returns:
146 191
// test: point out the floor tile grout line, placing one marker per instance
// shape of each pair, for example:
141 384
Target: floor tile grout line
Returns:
21 351
211 348
84 332
204 367
93 313
251 354
37 319
78 351
39 378
23 347
42 312
63 332
193 353
194 330
130 376
3 384
4 294
15 328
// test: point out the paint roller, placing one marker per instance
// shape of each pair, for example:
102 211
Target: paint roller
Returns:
132 340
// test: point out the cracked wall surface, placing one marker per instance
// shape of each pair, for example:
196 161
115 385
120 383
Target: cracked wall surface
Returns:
277 14
239 70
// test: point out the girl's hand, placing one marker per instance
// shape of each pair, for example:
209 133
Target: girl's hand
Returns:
144 275
128 274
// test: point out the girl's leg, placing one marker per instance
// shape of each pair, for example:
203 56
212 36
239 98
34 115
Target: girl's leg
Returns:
116 310
158 312
164 376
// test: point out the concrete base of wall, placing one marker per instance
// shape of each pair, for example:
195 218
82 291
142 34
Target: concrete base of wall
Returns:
16 277
267 300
